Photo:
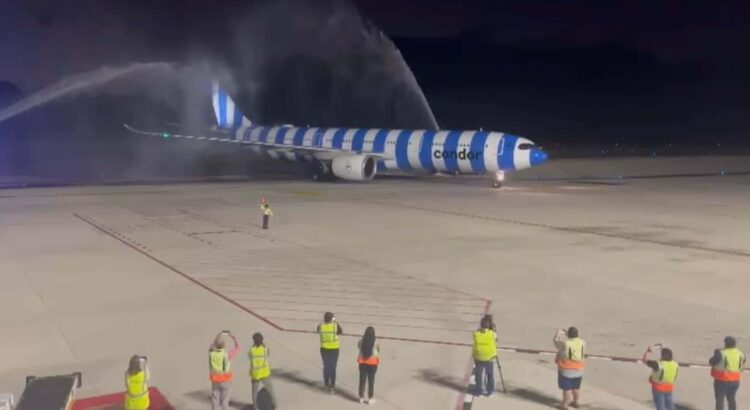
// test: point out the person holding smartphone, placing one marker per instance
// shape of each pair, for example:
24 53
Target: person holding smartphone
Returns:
569 360
136 384
329 332
220 370
663 376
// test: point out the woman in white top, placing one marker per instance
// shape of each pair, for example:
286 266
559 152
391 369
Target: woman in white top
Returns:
368 359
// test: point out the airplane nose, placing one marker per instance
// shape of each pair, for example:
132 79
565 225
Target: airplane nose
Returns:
538 157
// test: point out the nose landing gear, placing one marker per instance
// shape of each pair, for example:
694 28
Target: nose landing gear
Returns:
497 181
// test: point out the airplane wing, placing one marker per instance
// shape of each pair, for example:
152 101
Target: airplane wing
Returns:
274 146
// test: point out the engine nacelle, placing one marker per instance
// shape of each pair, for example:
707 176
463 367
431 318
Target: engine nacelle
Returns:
354 167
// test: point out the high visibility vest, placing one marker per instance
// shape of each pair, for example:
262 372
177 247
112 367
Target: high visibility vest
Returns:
662 379
136 391
220 366
266 210
485 347
373 360
259 367
729 369
570 356
329 335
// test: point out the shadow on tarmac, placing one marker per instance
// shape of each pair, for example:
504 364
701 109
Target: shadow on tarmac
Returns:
294 377
204 396
432 376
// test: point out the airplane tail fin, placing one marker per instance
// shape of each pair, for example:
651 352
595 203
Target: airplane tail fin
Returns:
228 114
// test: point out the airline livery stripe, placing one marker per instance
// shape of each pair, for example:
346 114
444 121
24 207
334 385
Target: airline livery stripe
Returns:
222 109
299 137
237 116
507 146
338 138
379 145
280 135
425 152
478 143
359 139
402 154
263 134
369 140
450 151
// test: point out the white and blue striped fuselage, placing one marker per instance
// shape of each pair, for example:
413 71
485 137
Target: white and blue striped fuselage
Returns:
410 151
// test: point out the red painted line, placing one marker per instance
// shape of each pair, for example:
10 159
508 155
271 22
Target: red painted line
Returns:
376 324
240 298
177 271
298 296
323 287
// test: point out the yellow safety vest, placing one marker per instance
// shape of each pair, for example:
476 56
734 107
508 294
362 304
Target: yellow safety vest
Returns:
571 355
329 335
220 365
259 367
663 379
266 210
136 393
729 369
485 347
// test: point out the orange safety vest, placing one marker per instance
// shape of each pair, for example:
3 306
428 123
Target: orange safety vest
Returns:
373 360
570 357
220 370
662 380
729 369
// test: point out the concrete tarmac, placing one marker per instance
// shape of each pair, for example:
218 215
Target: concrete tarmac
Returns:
92 275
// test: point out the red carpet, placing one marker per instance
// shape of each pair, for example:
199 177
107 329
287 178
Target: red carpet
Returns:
115 401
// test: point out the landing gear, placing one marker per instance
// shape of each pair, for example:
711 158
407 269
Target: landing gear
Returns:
321 172
497 182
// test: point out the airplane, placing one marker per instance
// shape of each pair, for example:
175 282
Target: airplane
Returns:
358 154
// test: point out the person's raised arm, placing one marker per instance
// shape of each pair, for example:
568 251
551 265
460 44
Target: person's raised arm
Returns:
650 363
236 348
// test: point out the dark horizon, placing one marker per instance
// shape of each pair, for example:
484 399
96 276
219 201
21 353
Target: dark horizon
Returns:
601 76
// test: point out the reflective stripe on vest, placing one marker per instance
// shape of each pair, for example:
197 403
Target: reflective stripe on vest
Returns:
259 367
662 380
729 369
373 360
220 365
329 338
136 394
570 357
485 347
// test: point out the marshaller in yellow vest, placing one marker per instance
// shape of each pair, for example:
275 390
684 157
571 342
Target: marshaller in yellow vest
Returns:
267 214
260 368
136 384
484 349
663 377
569 360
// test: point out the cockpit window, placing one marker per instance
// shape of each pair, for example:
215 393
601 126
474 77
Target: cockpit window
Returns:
525 146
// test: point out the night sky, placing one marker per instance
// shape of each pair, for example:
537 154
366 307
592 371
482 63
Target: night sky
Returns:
560 72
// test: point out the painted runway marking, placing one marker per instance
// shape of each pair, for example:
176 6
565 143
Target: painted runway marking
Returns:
732 252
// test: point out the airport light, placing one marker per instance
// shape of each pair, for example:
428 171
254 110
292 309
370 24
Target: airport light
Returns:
165 135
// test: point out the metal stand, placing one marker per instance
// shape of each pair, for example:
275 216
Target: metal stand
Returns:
500 372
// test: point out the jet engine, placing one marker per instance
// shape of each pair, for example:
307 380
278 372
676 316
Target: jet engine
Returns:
354 167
